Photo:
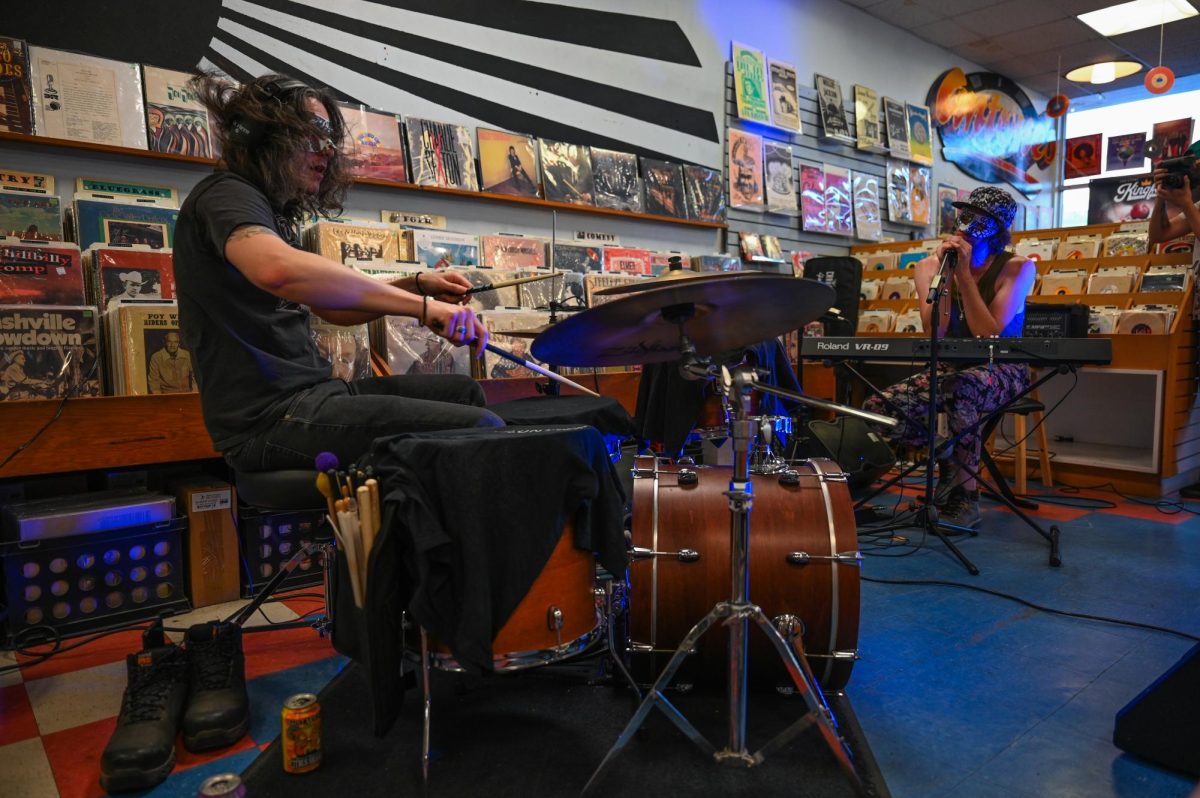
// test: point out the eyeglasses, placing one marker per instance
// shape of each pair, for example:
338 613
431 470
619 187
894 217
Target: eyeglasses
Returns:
320 143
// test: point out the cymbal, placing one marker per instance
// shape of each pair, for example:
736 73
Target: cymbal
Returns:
677 276
728 313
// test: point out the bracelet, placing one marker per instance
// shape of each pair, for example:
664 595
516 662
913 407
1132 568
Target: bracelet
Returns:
420 290
424 308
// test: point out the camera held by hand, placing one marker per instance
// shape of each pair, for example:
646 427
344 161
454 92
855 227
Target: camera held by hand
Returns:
1179 168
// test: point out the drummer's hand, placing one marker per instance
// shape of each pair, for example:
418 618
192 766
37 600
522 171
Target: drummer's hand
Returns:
447 286
458 324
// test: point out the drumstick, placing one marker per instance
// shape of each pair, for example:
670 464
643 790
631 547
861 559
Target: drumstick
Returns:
535 367
507 283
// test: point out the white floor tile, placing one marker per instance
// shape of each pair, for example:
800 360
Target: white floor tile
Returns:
278 612
25 771
9 678
72 699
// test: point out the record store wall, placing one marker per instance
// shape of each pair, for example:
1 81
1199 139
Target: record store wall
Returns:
644 76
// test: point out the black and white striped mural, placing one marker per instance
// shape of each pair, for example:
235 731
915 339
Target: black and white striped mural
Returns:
623 80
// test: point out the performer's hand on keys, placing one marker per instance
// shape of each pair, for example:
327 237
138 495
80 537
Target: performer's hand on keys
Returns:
447 286
456 323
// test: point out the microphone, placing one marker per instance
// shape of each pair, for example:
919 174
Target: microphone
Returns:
949 261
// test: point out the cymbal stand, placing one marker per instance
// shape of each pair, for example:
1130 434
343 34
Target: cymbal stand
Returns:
737 613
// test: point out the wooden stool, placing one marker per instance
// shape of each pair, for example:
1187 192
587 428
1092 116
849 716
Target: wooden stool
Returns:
1020 411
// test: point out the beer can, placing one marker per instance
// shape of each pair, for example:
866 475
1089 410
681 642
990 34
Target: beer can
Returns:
301 733
225 785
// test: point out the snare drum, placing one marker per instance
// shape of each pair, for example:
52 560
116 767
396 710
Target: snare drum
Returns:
713 421
804 572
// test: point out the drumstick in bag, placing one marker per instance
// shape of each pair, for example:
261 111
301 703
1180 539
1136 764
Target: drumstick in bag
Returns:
504 353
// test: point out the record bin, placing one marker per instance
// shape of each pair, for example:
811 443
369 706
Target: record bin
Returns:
96 580
269 540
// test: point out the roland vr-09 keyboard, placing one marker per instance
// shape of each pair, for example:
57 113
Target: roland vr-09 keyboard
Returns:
1034 351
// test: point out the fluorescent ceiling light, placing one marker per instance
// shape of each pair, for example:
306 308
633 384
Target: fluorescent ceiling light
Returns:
1126 17
1104 72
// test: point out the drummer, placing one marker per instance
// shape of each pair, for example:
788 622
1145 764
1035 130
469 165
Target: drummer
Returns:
247 292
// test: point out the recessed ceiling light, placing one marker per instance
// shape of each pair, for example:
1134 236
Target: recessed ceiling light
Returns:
1104 72
1125 17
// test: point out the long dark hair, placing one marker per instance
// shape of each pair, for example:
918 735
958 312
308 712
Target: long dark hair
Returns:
270 160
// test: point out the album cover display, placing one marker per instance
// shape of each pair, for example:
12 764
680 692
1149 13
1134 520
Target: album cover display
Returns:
438 249
899 192
921 180
660 262
176 120
147 355
750 245
493 366
410 348
615 180
839 205
96 221
116 274
373 147
1145 320
896 120
745 170
812 198
876 321
512 252
664 188
1165 278
1102 319
132 193
627 260
920 134
909 321
564 287
1171 139
771 248
947 213
833 110
48 352
598 282
1036 249
716 263
441 154
779 178
1126 243
577 258
1113 280
868 223
34 217
1083 156
750 84
705 196
16 88
86 98
348 349
1075 248
899 288
508 163
785 96
866 119
870 290
1127 151
1059 282
338 241
40 274
909 260
566 172
878 261
490 300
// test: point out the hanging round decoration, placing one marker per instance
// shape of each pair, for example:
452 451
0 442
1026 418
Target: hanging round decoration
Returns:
1160 80
1057 105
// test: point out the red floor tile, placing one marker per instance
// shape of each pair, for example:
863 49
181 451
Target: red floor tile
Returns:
112 648
74 756
269 652
19 722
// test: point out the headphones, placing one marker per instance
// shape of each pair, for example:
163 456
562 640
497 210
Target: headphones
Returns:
249 132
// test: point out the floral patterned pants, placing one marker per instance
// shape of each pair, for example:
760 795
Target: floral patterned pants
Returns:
965 395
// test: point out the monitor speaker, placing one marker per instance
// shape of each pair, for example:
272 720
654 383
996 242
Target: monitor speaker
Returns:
1162 725
862 454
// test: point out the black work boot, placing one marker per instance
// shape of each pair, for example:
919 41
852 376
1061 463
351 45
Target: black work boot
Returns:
218 710
141 751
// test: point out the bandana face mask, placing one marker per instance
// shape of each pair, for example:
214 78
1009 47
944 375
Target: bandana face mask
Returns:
325 142
977 225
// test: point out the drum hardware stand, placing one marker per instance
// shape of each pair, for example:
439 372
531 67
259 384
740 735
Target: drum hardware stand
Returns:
737 614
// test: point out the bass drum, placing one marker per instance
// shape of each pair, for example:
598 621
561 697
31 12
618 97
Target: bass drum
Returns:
803 563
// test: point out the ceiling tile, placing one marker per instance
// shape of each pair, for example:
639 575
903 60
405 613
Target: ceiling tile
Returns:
1008 16
1051 37
948 8
862 3
945 33
903 14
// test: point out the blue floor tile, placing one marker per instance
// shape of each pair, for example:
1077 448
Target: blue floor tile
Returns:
267 693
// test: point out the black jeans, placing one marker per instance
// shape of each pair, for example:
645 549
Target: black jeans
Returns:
344 418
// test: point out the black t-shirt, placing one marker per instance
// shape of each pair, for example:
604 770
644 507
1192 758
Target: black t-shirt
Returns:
251 349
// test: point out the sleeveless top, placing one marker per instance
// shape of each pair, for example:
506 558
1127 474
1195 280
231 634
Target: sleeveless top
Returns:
958 327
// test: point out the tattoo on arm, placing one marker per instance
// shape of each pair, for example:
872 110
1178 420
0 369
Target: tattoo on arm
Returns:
249 231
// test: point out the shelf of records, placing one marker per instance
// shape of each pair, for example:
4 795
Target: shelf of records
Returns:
97 103
766 92
828 199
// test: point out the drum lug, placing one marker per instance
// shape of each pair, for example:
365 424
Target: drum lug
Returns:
791 478
643 473
851 656
842 558
555 622
798 558
686 461
834 476
688 477
789 626
683 555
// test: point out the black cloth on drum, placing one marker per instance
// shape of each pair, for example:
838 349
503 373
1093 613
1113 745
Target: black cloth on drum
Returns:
469 519
668 405
602 412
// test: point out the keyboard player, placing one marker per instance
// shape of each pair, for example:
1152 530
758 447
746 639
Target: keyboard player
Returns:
987 287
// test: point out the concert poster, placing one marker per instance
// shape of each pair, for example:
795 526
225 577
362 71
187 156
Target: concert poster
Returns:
1083 156
615 180
41 273
780 178
1121 199
664 188
896 118
866 118
34 217
899 194
785 99
868 223
567 172
704 192
374 147
750 84
176 120
839 207
1172 138
833 110
947 213
16 88
812 198
745 170
442 154
508 163
921 178
1127 151
920 134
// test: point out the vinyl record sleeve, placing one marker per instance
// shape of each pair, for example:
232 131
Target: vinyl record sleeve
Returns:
441 154
118 273
48 352
705 193
339 241
33 217
779 179
86 98
374 147
512 252
664 188
566 172
438 249
615 180
176 120
101 222
508 163
33 273
16 87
